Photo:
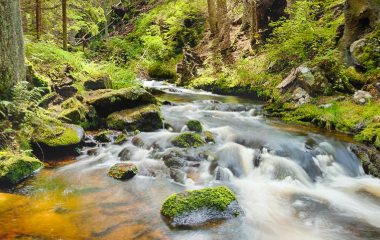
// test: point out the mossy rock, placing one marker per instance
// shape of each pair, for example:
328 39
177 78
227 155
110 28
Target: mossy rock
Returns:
104 136
194 125
209 137
145 118
97 83
73 111
188 140
138 142
107 101
122 138
123 171
13 168
174 162
194 208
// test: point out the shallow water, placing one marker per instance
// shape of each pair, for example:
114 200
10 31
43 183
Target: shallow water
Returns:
292 182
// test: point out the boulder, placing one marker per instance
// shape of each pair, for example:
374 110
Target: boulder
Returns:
123 171
178 175
122 138
301 96
107 101
175 162
198 207
209 137
73 111
357 51
188 140
105 136
96 84
362 97
145 118
138 142
57 140
13 167
194 125
370 159
66 91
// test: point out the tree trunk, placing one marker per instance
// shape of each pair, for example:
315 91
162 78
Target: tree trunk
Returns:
212 16
254 23
71 34
38 19
12 51
105 16
223 25
64 24
247 11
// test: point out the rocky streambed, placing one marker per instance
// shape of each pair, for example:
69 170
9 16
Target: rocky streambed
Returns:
260 179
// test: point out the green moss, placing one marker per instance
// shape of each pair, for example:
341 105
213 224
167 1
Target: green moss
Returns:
73 111
57 136
104 136
136 132
174 162
218 197
121 139
194 125
123 171
13 168
209 137
188 140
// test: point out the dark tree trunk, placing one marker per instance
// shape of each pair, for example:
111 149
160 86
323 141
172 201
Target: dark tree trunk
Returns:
64 24
38 19
12 51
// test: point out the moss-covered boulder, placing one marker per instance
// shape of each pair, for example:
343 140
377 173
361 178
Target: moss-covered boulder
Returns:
194 125
13 168
138 142
104 136
174 162
188 140
122 138
209 138
145 118
55 140
73 111
97 83
195 208
107 101
123 171
370 159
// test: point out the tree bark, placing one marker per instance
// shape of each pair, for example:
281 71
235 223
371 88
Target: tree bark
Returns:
212 16
223 25
254 22
105 16
12 51
64 24
38 19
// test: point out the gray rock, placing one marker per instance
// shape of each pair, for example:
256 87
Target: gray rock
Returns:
339 99
301 96
357 50
325 105
362 97
201 216
96 84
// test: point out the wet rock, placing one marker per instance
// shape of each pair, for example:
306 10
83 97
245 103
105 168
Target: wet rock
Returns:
107 101
123 171
168 103
14 168
177 154
104 136
66 91
196 208
168 127
138 142
357 51
301 96
209 137
59 140
174 162
145 118
188 140
370 159
91 152
362 97
96 84
90 143
125 154
122 138
178 175
194 125
154 90
73 111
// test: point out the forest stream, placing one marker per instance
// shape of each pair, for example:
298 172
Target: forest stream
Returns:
292 182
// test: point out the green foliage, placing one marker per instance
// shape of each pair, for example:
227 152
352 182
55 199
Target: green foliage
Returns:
177 204
194 125
188 140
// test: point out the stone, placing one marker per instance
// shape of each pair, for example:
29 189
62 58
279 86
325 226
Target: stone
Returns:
198 207
107 101
96 84
144 118
73 111
362 97
325 105
369 157
126 153
209 137
138 142
104 136
122 138
188 140
357 51
67 91
14 168
301 96
194 125
123 171
174 162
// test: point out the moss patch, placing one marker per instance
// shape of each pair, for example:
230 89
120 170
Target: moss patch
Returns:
104 136
209 137
176 204
73 111
54 136
123 171
188 140
121 139
194 125
13 168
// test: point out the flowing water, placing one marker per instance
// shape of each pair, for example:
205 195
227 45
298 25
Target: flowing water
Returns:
292 182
